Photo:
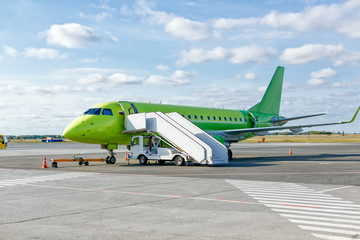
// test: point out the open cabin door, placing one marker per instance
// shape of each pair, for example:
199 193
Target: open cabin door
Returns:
128 109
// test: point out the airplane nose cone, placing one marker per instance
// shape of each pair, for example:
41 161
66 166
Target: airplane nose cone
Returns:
69 132
74 130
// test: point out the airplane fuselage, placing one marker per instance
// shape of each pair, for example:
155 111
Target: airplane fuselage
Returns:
104 123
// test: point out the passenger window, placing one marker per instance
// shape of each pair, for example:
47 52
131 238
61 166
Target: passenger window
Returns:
195 116
208 118
189 116
201 117
225 118
230 119
241 119
220 118
214 118
107 112
235 119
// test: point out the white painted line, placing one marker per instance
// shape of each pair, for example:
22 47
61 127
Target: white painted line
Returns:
22 181
308 205
316 213
330 230
330 237
300 198
309 202
281 190
320 218
292 195
333 189
326 224
311 209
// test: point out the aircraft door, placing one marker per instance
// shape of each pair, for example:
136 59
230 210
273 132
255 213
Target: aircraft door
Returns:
128 108
253 120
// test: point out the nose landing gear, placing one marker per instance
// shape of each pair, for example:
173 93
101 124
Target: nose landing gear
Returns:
110 159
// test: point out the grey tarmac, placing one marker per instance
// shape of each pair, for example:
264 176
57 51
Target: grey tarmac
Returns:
264 193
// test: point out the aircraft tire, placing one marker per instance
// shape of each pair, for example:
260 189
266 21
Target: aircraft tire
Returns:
230 154
161 162
143 160
107 160
112 160
179 161
86 163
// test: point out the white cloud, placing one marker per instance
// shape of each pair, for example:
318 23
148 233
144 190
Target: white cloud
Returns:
312 52
162 67
250 76
342 18
121 78
178 78
10 51
354 84
240 55
246 76
103 7
70 35
315 82
44 53
177 26
187 29
92 78
324 73
109 81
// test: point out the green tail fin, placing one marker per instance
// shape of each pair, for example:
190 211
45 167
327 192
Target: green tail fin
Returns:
270 103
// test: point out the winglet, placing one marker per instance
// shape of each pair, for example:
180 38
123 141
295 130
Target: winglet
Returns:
353 118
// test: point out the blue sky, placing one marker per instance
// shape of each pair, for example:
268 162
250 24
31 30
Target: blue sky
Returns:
58 58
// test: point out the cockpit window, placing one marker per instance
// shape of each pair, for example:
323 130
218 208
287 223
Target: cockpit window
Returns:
93 111
107 111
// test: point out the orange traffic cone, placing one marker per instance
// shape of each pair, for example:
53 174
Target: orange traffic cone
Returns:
44 163
290 152
126 157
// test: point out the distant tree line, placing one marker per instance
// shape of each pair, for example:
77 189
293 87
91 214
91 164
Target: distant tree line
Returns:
309 133
21 137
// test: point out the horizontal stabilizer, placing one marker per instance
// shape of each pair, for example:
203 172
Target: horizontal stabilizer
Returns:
285 120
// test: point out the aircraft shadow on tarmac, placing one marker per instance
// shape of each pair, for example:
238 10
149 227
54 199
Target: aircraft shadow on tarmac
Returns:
265 161
268 161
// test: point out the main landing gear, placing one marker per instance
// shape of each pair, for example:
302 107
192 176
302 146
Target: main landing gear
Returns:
110 159
230 154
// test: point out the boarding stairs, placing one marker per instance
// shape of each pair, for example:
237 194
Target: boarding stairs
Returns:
183 134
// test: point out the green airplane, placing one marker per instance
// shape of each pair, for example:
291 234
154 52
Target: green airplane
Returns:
105 123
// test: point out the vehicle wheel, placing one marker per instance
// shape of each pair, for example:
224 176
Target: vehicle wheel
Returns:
161 162
179 161
86 163
112 160
143 160
80 162
107 160
230 154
